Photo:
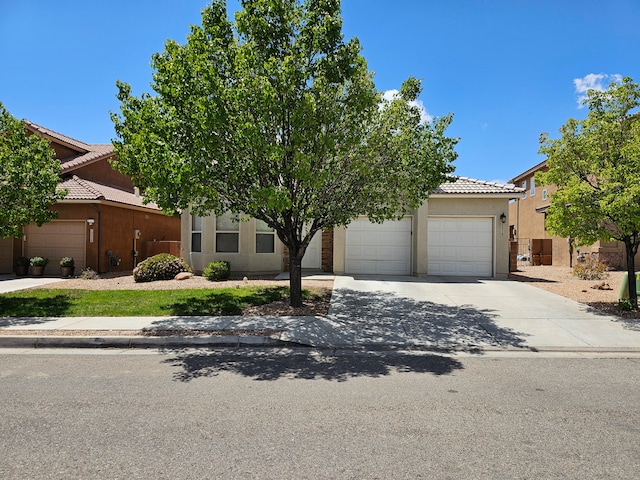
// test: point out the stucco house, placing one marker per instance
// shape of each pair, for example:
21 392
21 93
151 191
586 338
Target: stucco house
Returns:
102 223
461 230
527 227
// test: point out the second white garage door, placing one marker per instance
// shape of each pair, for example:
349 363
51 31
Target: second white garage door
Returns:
460 246
57 239
378 249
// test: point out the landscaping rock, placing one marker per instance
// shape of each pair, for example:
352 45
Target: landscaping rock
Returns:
183 276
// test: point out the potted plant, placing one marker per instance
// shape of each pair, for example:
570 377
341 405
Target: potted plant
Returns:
21 266
67 266
37 265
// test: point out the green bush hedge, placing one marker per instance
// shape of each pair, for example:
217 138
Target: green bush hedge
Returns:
159 267
217 271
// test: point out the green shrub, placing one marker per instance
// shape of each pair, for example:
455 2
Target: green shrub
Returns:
159 267
67 262
38 262
21 262
591 269
217 271
625 305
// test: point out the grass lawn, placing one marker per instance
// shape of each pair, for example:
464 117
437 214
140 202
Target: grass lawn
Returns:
123 303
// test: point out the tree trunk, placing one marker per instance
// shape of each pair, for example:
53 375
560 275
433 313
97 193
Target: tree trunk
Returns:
295 279
631 272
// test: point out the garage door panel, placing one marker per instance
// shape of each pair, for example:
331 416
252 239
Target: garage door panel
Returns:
378 249
55 240
460 247
475 254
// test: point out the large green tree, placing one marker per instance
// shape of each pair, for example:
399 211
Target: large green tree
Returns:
596 167
29 175
276 116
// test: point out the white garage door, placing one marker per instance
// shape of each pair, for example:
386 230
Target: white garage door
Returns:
55 240
378 249
460 247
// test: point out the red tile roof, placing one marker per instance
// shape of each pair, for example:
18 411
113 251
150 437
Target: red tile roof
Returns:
81 189
100 152
87 153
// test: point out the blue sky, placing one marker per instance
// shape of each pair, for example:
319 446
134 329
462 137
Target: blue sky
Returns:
507 70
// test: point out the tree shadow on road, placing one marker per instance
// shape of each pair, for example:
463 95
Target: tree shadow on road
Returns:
308 364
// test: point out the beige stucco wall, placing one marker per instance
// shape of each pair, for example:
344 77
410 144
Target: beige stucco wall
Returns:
528 224
245 260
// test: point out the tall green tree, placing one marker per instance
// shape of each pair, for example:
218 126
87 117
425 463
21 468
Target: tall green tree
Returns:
596 167
276 116
29 175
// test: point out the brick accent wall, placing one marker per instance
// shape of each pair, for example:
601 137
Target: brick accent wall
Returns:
285 253
327 251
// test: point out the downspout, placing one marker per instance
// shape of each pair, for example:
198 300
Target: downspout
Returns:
97 209
518 220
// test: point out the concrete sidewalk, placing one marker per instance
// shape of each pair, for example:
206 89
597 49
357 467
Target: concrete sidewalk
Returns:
367 313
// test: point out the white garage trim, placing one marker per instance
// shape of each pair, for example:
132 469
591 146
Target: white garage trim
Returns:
312 259
461 246
378 249
57 239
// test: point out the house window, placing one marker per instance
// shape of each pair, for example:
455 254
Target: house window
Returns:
524 187
532 186
544 194
227 234
196 234
265 238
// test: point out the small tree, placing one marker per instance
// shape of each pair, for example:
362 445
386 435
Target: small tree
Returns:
29 175
276 117
596 167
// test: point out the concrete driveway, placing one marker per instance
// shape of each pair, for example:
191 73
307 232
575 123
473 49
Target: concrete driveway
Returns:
462 313
11 283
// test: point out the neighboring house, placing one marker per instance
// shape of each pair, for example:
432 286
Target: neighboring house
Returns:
460 230
102 223
527 215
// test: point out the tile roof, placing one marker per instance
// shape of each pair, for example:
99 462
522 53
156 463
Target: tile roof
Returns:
81 189
87 153
467 186
72 142
98 152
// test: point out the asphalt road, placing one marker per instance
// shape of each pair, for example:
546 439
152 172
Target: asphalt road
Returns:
256 414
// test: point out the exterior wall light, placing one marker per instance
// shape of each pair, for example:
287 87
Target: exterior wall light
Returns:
503 218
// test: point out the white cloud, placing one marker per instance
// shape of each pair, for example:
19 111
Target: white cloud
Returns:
390 95
424 115
593 81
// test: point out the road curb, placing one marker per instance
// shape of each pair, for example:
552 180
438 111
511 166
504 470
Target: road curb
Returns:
194 341
134 341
